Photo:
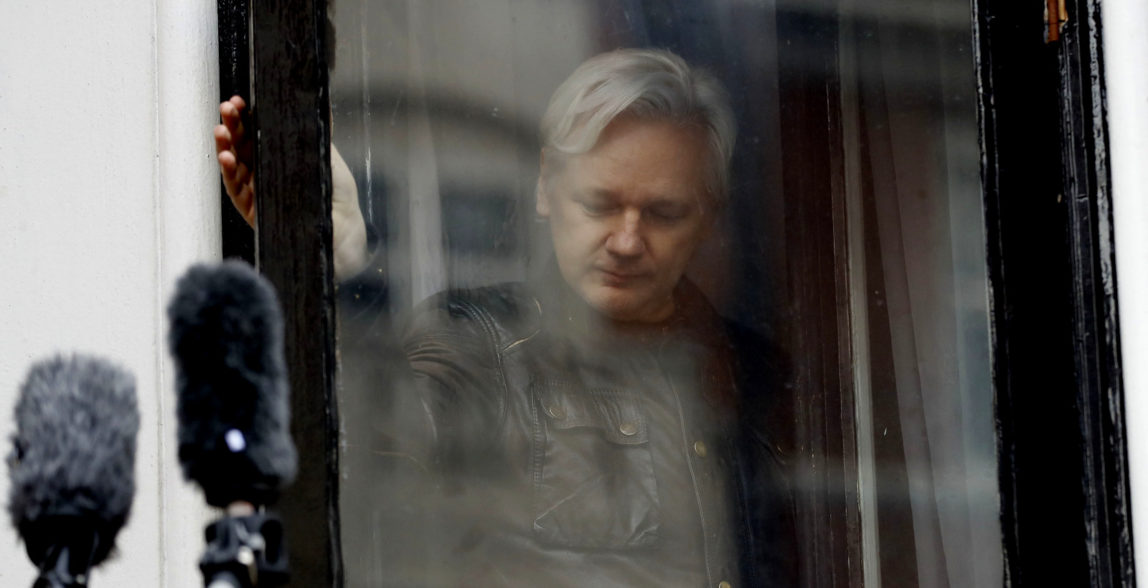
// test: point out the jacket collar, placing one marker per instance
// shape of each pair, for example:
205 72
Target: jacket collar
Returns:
564 311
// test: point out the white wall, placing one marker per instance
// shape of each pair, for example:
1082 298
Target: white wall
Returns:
107 192
1126 77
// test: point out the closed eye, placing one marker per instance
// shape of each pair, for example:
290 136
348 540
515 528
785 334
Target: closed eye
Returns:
593 208
667 213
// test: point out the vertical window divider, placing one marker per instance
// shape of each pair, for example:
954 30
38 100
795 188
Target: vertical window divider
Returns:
291 117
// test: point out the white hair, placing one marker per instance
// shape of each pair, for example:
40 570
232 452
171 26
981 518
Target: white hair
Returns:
649 84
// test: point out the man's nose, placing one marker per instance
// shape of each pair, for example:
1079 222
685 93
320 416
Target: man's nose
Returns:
626 239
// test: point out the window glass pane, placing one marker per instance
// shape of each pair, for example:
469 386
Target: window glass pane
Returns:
920 295
575 345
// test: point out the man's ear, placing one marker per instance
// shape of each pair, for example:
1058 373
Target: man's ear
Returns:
541 199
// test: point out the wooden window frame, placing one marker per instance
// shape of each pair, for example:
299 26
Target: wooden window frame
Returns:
290 115
1056 354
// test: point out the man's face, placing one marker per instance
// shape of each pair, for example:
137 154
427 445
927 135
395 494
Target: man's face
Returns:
627 216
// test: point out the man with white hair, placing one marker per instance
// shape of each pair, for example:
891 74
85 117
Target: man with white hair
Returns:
602 425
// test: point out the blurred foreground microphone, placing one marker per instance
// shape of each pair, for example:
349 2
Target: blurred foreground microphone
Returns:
226 337
72 465
227 340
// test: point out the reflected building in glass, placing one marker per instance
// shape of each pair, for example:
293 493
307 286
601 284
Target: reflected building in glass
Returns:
815 403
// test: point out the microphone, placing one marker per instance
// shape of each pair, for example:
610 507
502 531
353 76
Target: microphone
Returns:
226 335
72 464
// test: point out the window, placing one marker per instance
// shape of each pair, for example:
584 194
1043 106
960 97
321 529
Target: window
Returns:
854 238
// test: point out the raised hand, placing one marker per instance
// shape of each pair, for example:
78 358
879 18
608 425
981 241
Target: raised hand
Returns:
233 149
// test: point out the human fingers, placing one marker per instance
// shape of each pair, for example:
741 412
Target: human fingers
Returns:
227 164
231 113
228 113
222 139
228 161
240 185
238 101
228 170
233 106
231 116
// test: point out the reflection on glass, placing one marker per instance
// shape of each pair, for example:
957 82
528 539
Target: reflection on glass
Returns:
537 383
921 289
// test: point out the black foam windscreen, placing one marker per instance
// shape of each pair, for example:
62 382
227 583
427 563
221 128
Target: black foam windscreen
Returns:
226 335
72 462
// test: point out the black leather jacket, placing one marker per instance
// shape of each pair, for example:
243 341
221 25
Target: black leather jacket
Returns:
553 448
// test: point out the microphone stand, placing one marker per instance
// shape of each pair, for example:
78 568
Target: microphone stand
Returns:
58 572
245 549
64 549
